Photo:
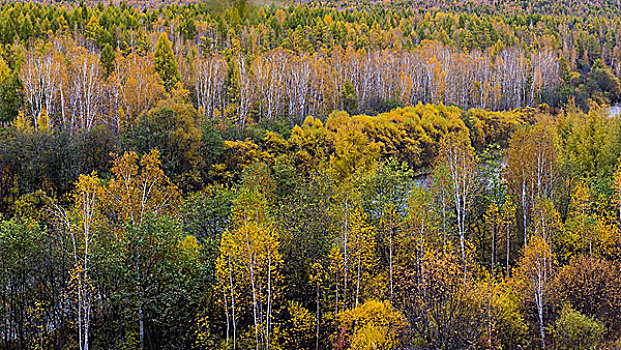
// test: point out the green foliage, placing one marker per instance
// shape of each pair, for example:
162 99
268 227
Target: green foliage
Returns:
205 216
11 97
602 83
107 58
51 161
573 330
350 100
344 175
22 253
165 62
173 129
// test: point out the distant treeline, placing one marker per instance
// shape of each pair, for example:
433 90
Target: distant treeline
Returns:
81 66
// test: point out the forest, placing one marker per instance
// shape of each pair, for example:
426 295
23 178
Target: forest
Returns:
310 175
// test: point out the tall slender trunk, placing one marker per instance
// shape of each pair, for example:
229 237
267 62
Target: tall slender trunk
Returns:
254 293
508 250
443 221
421 253
336 303
541 327
524 212
140 310
226 315
232 302
390 263
358 277
345 255
317 318
269 300
493 249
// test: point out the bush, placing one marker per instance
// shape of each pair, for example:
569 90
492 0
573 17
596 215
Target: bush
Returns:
573 330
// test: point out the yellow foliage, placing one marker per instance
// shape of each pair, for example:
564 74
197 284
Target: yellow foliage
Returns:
141 86
275 144
247 270
373 325
354 152
43 121
204 337
299 331
190 246
616 186
23 124
239 155
140 188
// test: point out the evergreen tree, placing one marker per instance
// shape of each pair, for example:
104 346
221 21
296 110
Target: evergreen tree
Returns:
26 29
11 96
165 62
93 28
107 58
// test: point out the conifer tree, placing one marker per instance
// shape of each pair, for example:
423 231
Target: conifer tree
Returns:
165 62
107 59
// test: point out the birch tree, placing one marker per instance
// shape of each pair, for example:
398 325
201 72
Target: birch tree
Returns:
138 192
84 92
209 83
536 268
81 223
461 163
247 267
41 77
531 168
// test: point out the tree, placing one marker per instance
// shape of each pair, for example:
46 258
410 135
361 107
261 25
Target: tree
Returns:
93 28
136 87
24 249
461 164
602 81
82 224
532 167
535 274
370 326
299 327
590 286
41 76
351 258
386 199
166 63
354 152
132 201
573 330
11 97
84 95
209 84
348 96
107 59
172 128
580 226
546 221
248 265
616 187
442 308
508 228
139 190
494 221
421 224
160 271
241 91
